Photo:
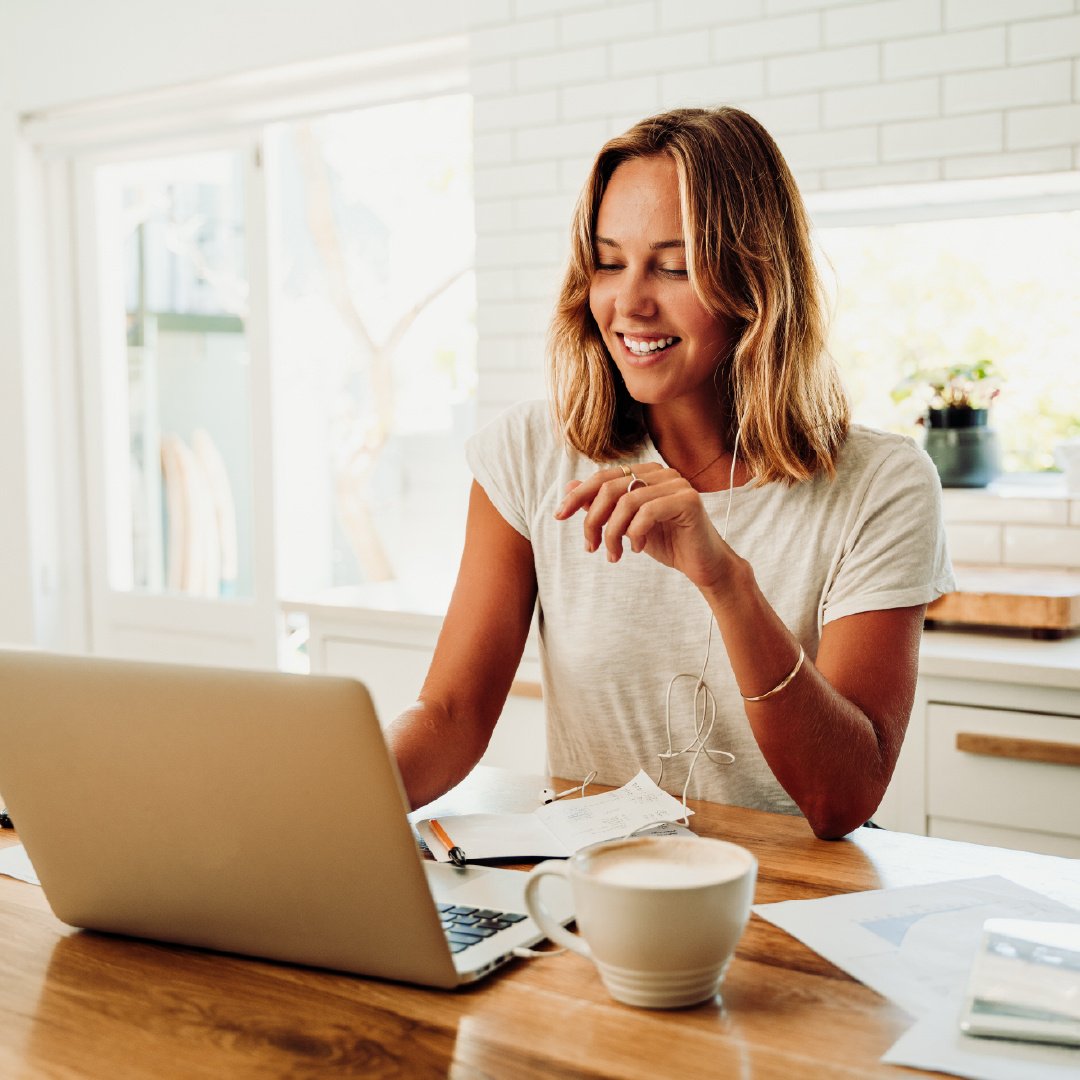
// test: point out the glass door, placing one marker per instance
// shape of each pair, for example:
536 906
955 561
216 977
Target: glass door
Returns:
172 270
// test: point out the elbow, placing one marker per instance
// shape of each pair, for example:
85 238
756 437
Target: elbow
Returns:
833 819
834 829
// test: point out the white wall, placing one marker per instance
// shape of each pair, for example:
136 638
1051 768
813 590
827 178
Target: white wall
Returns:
16 614
858 92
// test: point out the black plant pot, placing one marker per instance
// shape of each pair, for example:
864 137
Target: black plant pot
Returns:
957 416
964 448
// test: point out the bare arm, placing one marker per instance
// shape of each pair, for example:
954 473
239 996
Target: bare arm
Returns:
438 740
833 734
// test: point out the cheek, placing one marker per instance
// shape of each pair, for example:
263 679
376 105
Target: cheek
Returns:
598 304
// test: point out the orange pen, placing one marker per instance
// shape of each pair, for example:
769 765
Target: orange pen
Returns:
457 856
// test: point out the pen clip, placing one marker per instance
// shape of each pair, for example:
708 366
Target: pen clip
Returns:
455 853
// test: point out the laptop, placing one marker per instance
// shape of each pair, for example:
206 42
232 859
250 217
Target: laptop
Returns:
257 813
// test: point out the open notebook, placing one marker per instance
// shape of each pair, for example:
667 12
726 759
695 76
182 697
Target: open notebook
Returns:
558 829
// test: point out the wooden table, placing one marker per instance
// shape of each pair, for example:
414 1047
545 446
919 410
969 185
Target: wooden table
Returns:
77 1004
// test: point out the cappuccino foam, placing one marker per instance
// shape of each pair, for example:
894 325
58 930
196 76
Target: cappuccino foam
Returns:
666 864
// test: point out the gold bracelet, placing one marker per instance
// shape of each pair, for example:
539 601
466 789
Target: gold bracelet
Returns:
782 683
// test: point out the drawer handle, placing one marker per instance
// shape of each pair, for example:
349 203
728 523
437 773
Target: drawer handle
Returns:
525 688
1053 753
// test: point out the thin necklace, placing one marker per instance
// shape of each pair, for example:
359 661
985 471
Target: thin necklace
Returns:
694 476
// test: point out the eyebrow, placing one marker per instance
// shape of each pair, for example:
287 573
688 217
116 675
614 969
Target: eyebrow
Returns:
660 245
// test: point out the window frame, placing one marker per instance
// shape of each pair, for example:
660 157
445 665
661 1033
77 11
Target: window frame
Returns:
63 146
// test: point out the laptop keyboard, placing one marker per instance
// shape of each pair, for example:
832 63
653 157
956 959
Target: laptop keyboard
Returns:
465 926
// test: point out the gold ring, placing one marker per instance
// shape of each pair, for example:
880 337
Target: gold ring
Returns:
626 470
635 480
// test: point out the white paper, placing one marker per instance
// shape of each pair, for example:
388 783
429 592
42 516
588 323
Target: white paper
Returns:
559 828
494 836
913 945
936 1042
14 862
580 822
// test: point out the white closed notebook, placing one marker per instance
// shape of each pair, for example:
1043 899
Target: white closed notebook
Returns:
1025 982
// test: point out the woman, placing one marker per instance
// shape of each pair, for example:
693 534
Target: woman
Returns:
702 476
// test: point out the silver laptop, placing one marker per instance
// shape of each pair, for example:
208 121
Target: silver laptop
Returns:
248 812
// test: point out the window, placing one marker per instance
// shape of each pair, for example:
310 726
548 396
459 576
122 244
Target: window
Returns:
174 298
273 340
374 340
957 274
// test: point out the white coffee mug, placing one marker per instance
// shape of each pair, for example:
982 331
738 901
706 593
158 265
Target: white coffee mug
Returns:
659 916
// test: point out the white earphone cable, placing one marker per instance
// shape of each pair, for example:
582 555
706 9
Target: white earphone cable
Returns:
703 724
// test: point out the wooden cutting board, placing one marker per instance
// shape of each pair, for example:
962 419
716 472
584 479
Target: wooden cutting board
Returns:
1027 599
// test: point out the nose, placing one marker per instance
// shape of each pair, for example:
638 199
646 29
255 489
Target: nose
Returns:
634 296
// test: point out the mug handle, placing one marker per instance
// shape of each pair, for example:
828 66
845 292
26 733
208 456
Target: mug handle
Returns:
540 914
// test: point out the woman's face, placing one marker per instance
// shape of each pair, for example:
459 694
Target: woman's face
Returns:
663 340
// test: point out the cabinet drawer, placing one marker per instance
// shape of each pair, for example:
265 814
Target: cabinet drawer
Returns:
1017 770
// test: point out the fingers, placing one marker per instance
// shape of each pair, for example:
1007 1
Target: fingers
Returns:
612 494
638 512
581 493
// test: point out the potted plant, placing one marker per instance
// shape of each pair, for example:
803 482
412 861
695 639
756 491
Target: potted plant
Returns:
959 438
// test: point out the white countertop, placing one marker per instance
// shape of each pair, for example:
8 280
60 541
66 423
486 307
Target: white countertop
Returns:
1001 656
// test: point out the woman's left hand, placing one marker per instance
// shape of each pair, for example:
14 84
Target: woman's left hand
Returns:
663 516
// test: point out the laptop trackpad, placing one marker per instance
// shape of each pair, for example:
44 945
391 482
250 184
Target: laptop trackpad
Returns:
490 887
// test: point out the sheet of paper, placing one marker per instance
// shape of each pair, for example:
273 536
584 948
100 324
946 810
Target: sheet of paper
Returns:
558 829
912 945
15 863
494 836
614 814
936 1042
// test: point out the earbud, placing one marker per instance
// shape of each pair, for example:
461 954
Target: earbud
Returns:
549 795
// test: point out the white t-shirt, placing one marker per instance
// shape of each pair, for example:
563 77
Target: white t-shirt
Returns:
612 635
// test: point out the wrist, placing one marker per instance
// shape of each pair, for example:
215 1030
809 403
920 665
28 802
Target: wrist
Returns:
734 577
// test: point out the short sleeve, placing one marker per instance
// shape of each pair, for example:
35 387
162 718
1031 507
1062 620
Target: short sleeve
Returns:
508 455
895 553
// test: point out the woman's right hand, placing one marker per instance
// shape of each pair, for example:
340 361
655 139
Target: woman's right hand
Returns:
657 511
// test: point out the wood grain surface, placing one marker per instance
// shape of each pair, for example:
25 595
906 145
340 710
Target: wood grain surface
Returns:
77 1004
1027 599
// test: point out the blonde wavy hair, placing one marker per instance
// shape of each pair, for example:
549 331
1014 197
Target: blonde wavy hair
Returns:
749 260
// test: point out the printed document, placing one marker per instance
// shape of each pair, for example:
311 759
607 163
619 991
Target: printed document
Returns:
915 946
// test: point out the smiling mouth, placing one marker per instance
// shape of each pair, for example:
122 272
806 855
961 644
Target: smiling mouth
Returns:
647 346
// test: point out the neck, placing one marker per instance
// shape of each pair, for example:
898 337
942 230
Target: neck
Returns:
694 442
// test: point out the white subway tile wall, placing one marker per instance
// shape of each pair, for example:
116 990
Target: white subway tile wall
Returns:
975 544
1013 528
1032 545
857 92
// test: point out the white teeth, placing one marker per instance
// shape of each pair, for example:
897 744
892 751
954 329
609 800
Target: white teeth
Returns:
643 348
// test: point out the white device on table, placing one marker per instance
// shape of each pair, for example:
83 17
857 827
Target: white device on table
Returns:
248 812
1025 982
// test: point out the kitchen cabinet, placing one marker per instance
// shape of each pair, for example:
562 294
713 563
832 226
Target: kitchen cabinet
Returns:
992 754
390 650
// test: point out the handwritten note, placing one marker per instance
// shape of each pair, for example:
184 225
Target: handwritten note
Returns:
580 822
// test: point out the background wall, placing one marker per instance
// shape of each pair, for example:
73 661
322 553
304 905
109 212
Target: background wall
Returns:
857 93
